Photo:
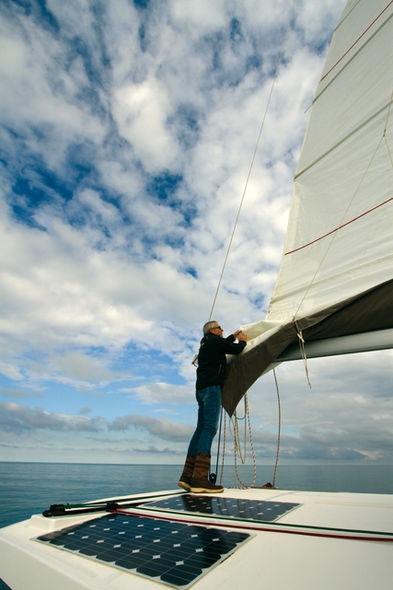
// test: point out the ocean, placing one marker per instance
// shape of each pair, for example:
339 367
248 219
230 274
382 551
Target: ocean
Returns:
30 488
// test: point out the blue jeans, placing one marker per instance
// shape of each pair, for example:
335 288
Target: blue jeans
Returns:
209 404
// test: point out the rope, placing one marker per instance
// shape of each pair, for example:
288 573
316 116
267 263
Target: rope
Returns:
279 428
302 346
237 447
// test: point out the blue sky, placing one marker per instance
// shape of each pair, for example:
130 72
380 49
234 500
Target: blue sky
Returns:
127 130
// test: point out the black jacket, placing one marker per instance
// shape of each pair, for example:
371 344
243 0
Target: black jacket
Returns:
212 361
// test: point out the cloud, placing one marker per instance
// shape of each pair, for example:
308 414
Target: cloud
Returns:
156 451
141 112
164 393
346 414
19 393
162 428
15 418
77 366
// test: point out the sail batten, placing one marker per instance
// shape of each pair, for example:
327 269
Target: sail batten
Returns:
335 281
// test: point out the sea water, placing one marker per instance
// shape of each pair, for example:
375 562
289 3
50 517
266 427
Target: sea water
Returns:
30 488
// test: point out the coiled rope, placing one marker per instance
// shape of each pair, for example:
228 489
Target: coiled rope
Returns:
237 446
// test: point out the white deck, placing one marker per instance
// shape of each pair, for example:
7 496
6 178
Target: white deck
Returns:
278 560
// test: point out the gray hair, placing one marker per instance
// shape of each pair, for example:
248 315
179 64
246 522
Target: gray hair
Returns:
208 326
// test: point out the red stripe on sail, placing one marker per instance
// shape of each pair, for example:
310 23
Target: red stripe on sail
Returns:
339 227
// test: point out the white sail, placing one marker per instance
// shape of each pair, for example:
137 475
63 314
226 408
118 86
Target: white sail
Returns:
336 274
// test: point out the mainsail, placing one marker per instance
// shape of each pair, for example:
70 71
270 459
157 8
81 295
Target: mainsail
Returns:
336 275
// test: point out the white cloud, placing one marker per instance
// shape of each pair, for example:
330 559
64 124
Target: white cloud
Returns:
19 393
75 365
15 418
165 394
141 112
128 134
202 17
163 428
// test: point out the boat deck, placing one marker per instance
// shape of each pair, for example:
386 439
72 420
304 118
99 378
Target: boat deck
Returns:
282 539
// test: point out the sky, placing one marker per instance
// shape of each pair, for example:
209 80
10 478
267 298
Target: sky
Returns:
127 132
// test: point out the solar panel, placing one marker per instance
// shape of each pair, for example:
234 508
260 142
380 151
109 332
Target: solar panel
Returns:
258 510
172 553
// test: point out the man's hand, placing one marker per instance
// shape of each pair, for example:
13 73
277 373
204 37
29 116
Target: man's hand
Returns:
241 336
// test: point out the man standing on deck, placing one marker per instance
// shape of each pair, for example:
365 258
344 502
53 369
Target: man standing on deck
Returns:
210 377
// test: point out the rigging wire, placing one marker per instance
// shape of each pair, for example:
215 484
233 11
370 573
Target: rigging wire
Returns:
277 69
247 416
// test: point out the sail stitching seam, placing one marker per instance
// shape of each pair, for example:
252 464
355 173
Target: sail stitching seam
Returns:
344 18
343 140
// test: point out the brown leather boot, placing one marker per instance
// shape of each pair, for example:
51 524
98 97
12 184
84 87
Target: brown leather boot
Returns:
200 481
188 470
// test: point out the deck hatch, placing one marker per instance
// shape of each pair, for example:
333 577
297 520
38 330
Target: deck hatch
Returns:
258 510
172 553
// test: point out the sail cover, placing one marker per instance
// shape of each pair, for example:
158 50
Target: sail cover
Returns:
336 273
